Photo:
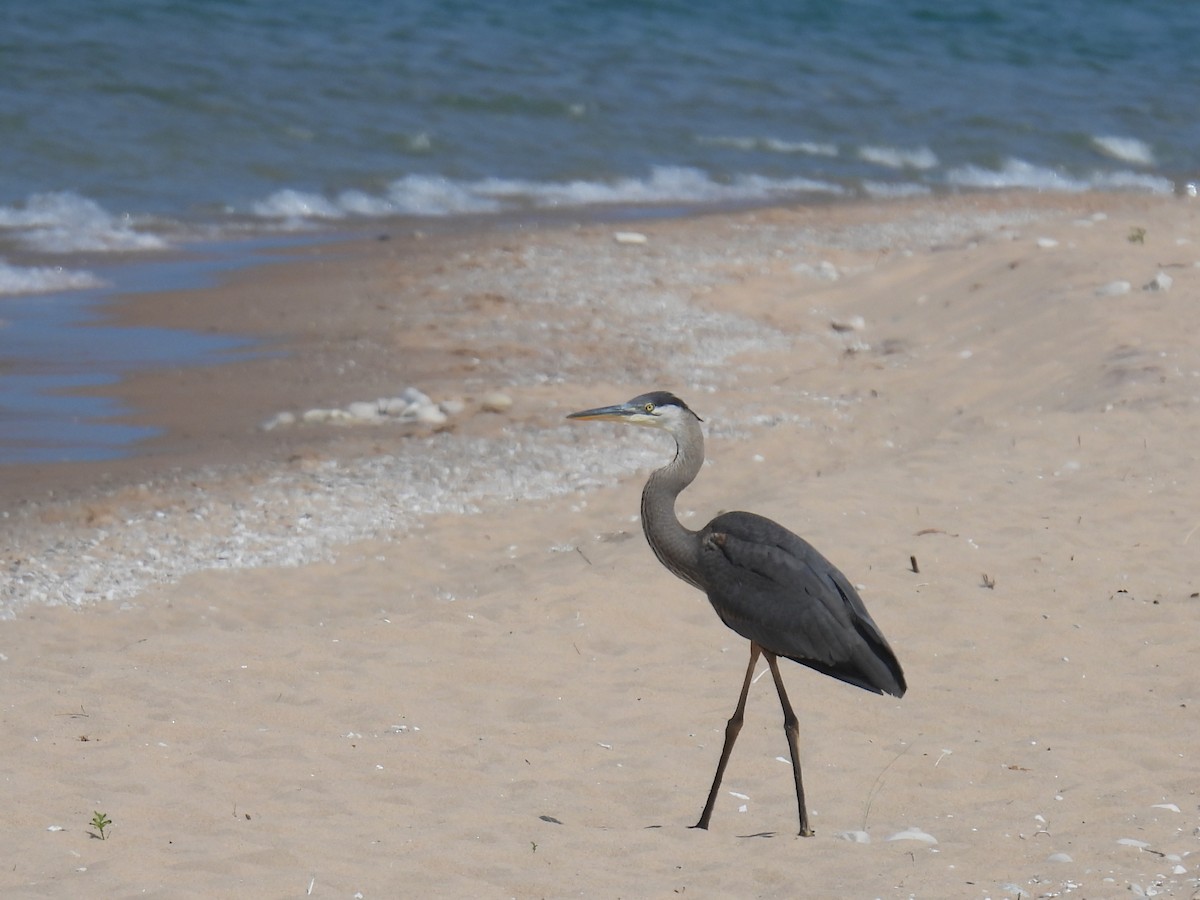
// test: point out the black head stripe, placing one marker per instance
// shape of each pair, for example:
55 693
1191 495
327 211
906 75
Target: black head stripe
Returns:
661 398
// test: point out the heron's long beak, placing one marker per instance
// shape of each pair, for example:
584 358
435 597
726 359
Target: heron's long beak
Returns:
618 413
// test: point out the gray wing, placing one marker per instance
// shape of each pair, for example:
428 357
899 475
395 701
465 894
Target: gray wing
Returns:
772 587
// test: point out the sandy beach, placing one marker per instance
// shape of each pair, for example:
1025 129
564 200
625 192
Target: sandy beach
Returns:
379 660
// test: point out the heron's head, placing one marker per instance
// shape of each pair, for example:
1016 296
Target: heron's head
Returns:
658 409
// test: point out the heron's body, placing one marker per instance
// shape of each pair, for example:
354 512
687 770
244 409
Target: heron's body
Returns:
774 589
765 582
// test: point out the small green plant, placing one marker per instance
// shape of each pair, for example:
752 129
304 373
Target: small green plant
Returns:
100 821
1137 235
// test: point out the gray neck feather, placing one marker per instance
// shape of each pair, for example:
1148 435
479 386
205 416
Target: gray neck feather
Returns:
676 547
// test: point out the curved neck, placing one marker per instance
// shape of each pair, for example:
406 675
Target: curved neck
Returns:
677 547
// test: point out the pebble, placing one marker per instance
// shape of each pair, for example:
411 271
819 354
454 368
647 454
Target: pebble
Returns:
279 419
1161 282
1059 857
393 406
629 237
496 402
411 405
412 395
1132 842
1114 289
913 834
361 409
853 323
430 415
1047 243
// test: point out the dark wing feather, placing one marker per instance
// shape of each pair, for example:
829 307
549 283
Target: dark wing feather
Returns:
772 587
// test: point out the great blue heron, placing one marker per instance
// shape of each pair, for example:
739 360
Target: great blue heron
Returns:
766 583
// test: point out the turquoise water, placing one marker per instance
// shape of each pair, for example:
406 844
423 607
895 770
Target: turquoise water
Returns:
198 112
139 126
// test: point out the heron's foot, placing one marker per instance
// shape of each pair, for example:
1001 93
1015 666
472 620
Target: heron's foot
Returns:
806 832
702 825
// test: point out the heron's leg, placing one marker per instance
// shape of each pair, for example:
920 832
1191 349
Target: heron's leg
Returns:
792 727
732 727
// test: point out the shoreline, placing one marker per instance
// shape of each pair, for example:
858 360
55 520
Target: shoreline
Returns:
227 304
211 293
535 312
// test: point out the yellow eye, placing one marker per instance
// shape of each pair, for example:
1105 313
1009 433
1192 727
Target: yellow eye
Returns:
649 407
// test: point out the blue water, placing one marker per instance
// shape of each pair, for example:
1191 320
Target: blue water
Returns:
142 125
197 110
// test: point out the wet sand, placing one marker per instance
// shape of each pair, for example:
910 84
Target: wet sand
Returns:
392 659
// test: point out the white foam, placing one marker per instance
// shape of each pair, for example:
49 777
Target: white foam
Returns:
756 187
289 204
425 195
899 157
810 148
413 195
665 184
1110 181
421 195
1127 149
44 279
63 222
769 144
433 196
360 203
1017 173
